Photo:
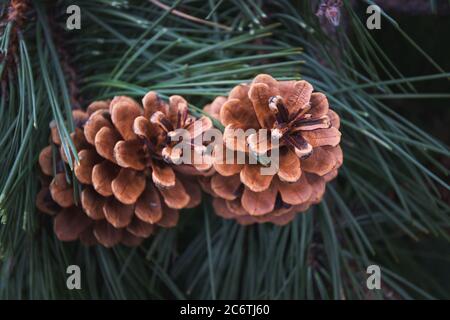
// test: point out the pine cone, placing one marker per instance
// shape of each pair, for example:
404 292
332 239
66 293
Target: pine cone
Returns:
128 181
309 150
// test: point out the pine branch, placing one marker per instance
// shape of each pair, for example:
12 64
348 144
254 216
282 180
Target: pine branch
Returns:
386 196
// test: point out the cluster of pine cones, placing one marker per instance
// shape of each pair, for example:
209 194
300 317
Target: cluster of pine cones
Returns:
126 179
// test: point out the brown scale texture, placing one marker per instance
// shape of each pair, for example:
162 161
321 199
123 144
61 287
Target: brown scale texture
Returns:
125 170
309 151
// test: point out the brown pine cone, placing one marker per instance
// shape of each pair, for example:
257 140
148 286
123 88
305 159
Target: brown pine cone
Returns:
128 182
309 151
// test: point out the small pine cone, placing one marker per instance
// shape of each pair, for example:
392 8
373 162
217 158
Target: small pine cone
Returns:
128 182
309 151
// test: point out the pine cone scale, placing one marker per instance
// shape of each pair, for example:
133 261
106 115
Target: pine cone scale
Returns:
105 140
103 174
289 169
92 204
148 206
251 176
117 213
128 185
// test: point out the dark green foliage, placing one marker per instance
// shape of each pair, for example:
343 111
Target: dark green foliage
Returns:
384 208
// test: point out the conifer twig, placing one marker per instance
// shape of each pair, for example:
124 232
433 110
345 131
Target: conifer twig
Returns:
189 17
14 15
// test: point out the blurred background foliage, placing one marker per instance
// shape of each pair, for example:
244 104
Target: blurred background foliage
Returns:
389 205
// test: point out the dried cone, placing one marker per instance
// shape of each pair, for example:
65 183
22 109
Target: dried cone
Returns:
128 184
309 151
